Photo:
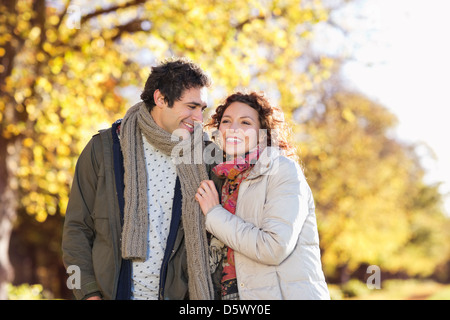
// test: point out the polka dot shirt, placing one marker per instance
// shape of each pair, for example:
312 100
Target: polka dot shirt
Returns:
161 175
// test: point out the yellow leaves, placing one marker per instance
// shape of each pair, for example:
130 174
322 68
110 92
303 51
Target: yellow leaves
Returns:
280 38
44 84
197 13
53 20
363 184
326 62
359 183
56 65
27 142
40 57
321 71
22 26
98 43
12 130
43 184
189 42
51 35
39 205
348 115
34 34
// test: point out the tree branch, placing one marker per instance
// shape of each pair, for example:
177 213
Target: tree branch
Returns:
132 26
110 9
61 16
241 25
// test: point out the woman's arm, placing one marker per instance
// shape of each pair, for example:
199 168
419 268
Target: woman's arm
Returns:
283 215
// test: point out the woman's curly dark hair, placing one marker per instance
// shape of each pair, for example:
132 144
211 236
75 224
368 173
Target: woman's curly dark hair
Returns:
172 77
271 118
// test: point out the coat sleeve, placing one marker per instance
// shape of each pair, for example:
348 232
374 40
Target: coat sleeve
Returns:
78 232
283 215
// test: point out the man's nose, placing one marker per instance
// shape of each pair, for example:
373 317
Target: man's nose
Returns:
198 115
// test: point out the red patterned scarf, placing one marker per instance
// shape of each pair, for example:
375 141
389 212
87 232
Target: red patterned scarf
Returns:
235 171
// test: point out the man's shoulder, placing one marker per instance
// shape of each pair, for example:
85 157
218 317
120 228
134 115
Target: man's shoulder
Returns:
115 127
104 138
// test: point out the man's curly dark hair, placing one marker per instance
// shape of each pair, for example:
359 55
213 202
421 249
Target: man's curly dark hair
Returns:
172 77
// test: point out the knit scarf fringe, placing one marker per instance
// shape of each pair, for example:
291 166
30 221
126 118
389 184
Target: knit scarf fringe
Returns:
138 122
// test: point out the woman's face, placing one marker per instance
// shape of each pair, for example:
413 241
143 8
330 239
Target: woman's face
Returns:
239 129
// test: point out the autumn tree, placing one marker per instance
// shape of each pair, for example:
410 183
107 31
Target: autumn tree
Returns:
64 68
373 206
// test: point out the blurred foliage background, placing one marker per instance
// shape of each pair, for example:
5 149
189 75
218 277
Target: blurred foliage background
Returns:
70 68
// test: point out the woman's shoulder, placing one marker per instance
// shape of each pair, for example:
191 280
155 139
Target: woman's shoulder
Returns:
272 162
287 166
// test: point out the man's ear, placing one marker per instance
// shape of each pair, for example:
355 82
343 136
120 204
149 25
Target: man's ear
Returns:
159 99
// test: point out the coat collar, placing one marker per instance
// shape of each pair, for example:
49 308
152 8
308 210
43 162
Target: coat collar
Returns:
267 159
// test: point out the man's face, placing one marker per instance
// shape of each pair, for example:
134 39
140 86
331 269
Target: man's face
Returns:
184 112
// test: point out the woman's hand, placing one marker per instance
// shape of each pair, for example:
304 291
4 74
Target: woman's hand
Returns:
207 196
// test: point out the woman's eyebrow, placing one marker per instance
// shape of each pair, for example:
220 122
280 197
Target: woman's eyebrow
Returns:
227 116
246 117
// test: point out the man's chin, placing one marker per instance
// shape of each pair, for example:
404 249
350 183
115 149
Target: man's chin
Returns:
181 133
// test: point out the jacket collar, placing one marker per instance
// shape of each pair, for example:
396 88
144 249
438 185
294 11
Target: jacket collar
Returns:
268 158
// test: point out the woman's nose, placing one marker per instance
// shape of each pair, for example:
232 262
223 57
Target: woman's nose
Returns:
234 127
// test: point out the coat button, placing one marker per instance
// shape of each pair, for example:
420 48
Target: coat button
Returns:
242 284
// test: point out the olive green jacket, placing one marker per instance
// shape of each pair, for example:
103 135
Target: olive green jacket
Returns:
92 228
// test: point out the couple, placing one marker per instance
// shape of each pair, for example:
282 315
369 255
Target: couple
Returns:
139 226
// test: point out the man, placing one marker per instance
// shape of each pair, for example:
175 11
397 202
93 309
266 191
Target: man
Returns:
132 225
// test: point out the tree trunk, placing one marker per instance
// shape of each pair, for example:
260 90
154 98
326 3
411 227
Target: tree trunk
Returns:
8 204
344 275
8 194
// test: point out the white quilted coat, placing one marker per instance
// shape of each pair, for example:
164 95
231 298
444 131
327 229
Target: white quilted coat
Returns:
274 233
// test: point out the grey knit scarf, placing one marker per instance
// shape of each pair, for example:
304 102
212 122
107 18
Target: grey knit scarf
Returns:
137 122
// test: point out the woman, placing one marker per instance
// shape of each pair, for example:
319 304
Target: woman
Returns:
266 225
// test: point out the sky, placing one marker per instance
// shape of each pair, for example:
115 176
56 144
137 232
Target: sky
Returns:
399 55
